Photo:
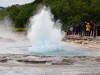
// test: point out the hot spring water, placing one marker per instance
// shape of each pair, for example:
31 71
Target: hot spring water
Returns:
44 35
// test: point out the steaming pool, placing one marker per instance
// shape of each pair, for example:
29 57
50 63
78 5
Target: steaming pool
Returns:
77 51
17 43
21 46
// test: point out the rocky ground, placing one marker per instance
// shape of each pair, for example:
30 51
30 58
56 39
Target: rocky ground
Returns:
85 41
49 60
13 64
49 70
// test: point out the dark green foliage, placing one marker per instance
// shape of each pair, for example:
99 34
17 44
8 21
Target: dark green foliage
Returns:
3 13
68 11
21 14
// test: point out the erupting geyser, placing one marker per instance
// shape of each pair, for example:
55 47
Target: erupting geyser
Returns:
44 35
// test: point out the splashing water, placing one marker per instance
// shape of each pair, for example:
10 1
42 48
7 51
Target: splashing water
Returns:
44 35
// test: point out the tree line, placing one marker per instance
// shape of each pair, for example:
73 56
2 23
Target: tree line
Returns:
68 11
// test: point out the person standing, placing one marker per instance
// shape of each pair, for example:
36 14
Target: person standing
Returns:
88 27
94 31
92 27
83 28
71 29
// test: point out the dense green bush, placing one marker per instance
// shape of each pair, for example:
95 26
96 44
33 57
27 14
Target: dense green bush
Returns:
68 11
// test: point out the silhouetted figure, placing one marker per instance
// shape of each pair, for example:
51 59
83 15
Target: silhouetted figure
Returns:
74 29
78 29
83 28
92 27
94 30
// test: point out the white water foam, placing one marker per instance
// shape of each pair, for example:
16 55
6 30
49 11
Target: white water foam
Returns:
44 35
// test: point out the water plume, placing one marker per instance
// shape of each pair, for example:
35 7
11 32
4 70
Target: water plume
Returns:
44 35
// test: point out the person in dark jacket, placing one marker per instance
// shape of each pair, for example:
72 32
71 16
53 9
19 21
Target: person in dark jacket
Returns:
94 31
92 27
83 28
79 29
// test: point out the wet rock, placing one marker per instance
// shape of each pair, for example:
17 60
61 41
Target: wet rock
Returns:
32 61
68 61
98 59
3 60
61 63
64 62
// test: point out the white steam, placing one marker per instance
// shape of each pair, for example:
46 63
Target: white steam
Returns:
44 35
